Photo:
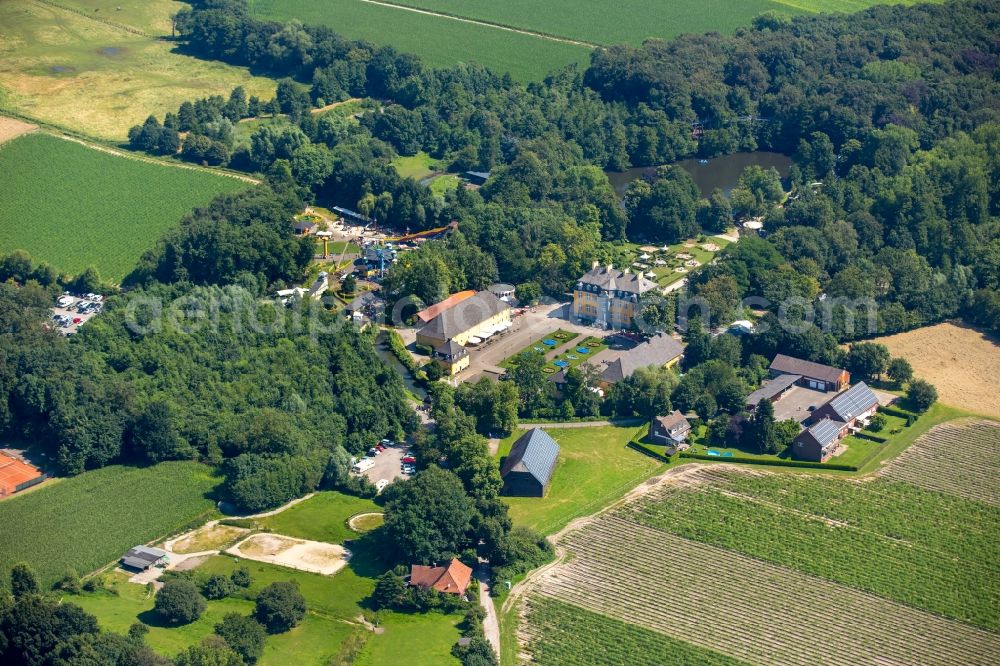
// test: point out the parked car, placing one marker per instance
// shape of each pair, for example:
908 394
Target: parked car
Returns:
372 452
77 320
379 448
387 443
409 460
381 484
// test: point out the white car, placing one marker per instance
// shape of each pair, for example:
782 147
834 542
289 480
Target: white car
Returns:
381 484
65 301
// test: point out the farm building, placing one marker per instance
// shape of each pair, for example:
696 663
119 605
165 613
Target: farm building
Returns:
813 375
433 311
818 442
773 389
452 357
609 297
528 467
477 177
452 579
141 558
854 406
17 475
468 322
672 430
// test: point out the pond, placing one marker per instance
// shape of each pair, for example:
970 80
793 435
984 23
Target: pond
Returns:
720 172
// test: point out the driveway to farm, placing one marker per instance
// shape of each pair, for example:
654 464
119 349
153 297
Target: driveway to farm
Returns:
491 625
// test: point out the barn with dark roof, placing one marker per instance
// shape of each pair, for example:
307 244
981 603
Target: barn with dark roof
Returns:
528 467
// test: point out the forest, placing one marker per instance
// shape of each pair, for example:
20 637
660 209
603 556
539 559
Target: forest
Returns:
890 115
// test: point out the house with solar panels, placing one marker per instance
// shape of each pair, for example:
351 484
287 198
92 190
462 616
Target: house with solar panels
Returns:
527 469
819 441
846 412
853 407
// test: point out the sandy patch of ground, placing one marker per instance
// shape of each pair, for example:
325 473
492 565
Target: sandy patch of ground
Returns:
190 563
209 537
961 362
312 556
11 128
365 522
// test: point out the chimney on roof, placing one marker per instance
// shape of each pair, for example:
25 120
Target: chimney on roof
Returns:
595 264
611 267
625 272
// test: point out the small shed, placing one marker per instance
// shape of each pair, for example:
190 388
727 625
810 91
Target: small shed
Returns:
527 469
141 558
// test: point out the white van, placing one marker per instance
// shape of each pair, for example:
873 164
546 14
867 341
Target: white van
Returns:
363 465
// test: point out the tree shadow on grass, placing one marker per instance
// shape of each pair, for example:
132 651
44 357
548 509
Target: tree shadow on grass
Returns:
151 618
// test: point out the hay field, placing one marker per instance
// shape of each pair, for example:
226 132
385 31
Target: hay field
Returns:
961 362
61 67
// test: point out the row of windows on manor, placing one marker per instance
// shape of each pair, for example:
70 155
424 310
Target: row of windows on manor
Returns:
593 288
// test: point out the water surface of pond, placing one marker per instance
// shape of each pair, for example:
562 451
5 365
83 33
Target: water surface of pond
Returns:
720 172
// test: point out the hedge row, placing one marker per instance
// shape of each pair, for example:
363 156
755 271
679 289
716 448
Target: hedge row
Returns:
648 450
778 462
897 411
871 438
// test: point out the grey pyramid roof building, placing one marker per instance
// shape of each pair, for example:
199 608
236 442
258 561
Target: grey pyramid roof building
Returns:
528 467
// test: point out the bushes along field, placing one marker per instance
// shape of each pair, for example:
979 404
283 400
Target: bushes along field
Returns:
73 207
92 519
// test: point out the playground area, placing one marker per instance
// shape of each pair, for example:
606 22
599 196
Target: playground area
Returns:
312 556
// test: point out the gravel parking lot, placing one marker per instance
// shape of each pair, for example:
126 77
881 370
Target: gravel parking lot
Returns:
71 311
387 465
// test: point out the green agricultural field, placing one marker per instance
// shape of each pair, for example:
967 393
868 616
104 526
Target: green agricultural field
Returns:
88 521
74 70
926 549
562 633
525 38
594 469
322 517
440 41
74 206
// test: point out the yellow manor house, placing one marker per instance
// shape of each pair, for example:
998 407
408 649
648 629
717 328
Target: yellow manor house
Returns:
609 297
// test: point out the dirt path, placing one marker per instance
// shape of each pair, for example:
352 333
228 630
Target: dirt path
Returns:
487 24
491 623
11 128
151 160
334 105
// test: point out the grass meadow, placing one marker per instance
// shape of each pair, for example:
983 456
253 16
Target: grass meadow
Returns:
74 206
72 69
323 517
594 469
89 520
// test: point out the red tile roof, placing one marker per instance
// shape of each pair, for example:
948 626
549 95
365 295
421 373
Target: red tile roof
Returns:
436 309
453 579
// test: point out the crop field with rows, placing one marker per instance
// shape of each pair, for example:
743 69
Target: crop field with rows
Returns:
562 634
526 38
90 520
742 607
74 206
922 548
959 458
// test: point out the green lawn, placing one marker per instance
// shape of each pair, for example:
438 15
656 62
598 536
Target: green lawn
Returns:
595 468
90 520
420 640
321 518
417 166
536 345
445 183
74 207
575 358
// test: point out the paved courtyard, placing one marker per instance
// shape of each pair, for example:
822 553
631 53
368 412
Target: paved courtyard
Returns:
796 402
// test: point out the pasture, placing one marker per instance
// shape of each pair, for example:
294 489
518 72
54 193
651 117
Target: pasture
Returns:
90 72
322 517
74 206
90 520
594 469
961 362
